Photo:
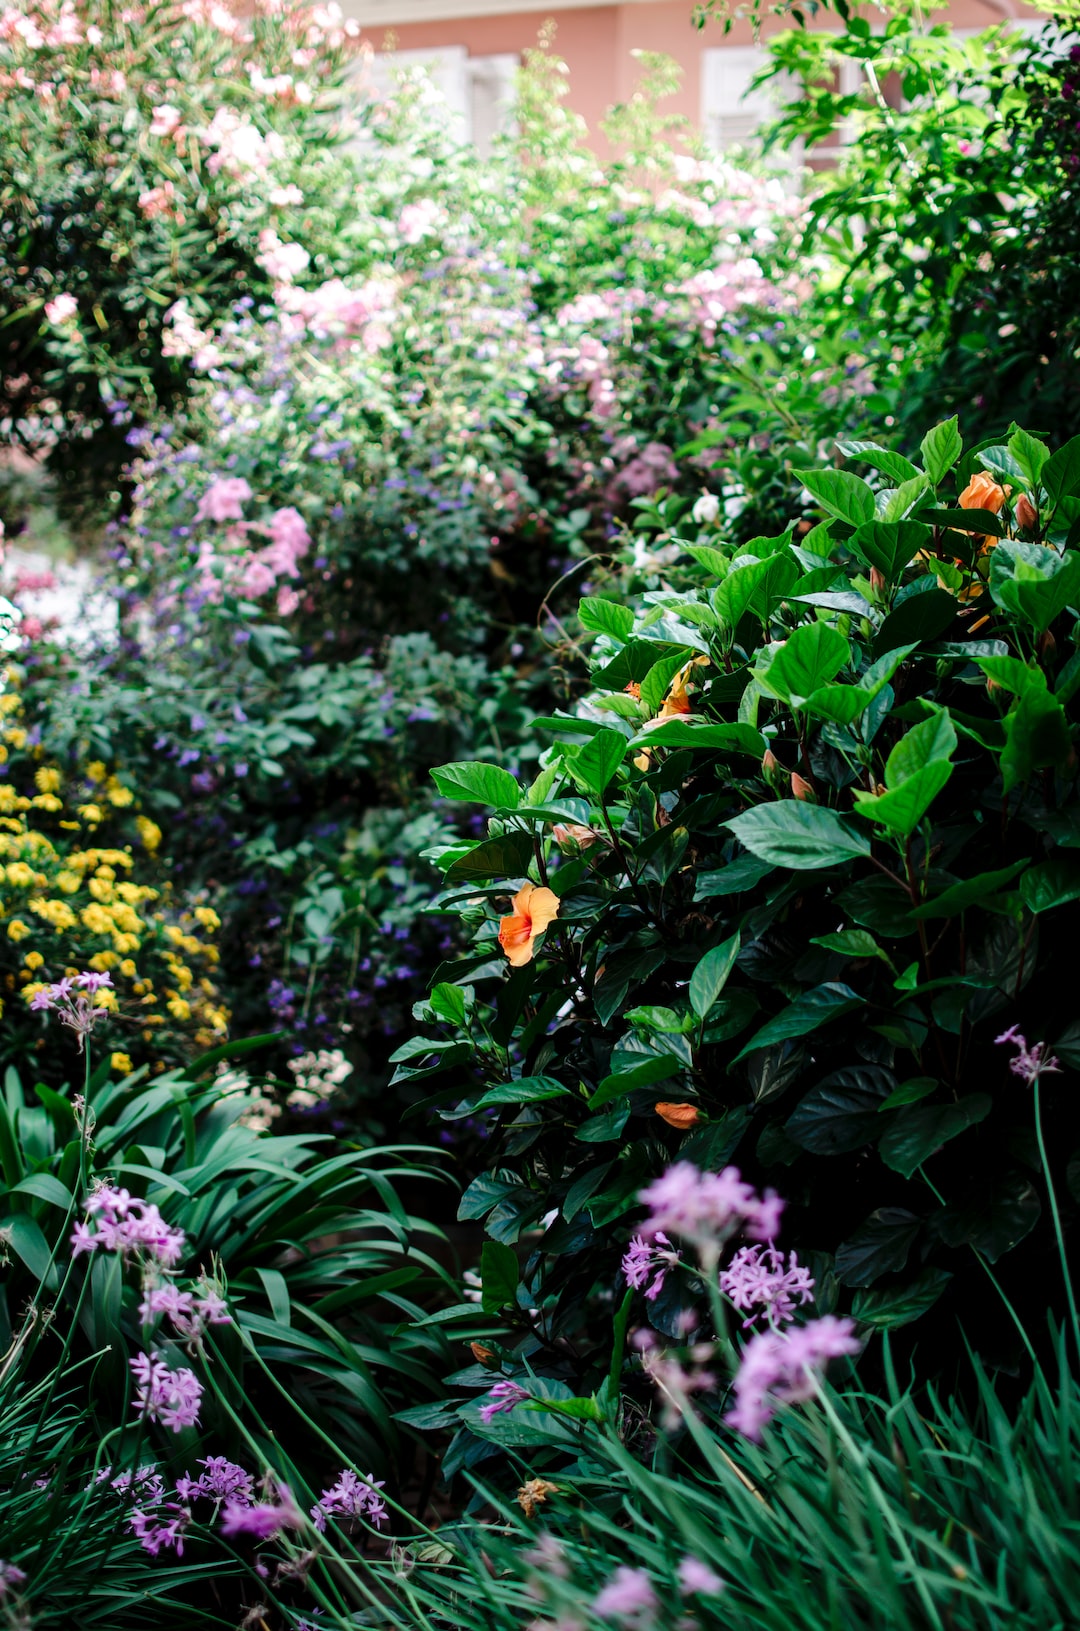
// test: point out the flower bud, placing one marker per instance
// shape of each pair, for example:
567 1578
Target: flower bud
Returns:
572 837
878 581
773 771
1027 516
484 1356
679 1115
802 789
706 509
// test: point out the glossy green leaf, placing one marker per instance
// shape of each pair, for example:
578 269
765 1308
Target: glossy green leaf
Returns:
477 783
498 1276
941 447
809 658
919 1131
505 857
596 764
605 616
890 545
523 1090
816 1008
711 975
840 494
1052 883
1061 472
1034 581
801 836
892 1306
879 1246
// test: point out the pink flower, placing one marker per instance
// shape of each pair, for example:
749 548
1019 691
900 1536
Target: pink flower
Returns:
779 1368
171 1397
162 1527
287 601
695 1576
504 1397
165 120
757 1279
222 1480
61 309
351 1497
643 1260
257 578
223 499
283 262
627 1597
158 201
289 541
1030 1063
709 1206
263 1520
417 220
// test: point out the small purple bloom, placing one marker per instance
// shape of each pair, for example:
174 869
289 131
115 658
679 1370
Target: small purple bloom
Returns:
504 1397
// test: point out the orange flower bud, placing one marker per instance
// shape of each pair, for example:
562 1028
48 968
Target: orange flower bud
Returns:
982 493
878 581
679 1115
1027 516
532 1492
483 1356
769 762
634 689
802 789
572 837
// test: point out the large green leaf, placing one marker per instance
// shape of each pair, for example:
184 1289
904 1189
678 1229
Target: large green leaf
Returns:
890 545
1034 581
594 765
478 783
798 835
916 770
879 1246
753 587
919 1130
995 1220
498 1276
505 857
523 1090
971 892
893 465
941 447
917 619
687 733
711 975
840 494
842 1112
1061 472
809 658
817 1007
1053 883
605 616
884 1310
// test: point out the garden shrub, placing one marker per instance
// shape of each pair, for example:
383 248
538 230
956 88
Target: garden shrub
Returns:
151 160
961 171
797 859
85 888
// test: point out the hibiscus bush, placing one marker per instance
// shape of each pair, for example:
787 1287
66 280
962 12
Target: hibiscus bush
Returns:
794 881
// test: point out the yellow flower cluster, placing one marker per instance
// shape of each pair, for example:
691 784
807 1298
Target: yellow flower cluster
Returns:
81 888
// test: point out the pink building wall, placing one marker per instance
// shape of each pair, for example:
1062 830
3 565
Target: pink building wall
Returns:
597 42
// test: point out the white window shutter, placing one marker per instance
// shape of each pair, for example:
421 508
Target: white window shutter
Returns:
446 66
492 87
731 112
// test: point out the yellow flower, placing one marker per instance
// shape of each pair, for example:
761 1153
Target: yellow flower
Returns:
8 799
17 929
3 754
67 881
20 874
47 801
178 1008
33 959
118 794
31 991
106 999
56 912
149 832
208 917
91 813
47 780
97 919
120 1063
10 703
126 942
101 888
96 771
533 910
16 736
127 967
102 961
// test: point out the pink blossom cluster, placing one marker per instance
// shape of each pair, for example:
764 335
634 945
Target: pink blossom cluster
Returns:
646 1264
418 220
182 337
761 1280
63 29
281 261
253 572
171 1397
261 1520
61 309
503 1398
240 148
338 310
221 1480
1029 1063
72 998
189 1311
133 1228
780 1368
11 1578
352 1498
709 1207
714 294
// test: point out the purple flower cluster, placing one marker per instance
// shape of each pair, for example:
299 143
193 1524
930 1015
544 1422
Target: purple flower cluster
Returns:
352 1498
222 1480
709 1207
504 1397
778 1368
171 1397
759 1280
263 1519
1030 1063
645 1261
628 1597
11 1578
72 999
189 1312
131 1227
163 1526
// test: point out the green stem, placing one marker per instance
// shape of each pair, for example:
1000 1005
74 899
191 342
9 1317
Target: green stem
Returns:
622 1320
1055 1213
991 1276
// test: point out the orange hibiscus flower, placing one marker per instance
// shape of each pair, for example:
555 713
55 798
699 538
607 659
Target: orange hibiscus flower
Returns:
533 910
982 493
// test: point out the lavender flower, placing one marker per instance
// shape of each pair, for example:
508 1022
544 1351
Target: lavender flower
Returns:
133 1228
222 1480
263 1520
756 1279
695 1576
76 1011
643 1260
163 1527
189 1313
627 1597
709 1207
504 1397
1030 1063
171 1397
351 1497
11 1578
779 1368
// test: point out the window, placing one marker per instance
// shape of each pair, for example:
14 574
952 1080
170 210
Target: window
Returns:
478 91
730 112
